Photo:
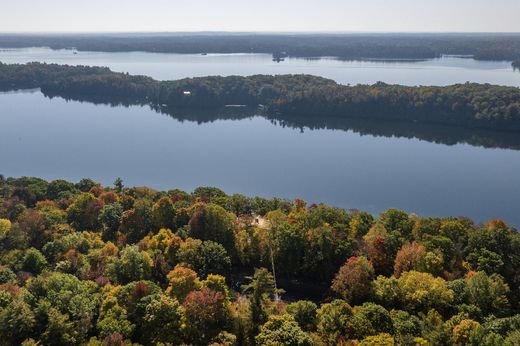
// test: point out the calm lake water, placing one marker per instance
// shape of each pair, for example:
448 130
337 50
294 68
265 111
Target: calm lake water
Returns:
255 156
442 71
428 170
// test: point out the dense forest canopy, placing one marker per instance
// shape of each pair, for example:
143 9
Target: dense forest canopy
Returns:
85 264
467 105
346 46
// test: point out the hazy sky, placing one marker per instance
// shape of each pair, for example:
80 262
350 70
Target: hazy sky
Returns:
260 15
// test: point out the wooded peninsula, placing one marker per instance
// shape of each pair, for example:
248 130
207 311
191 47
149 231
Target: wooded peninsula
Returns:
86 264
468 105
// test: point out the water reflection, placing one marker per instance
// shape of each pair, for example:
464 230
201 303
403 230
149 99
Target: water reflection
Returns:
447 135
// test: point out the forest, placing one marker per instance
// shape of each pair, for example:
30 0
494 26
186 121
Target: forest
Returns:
86 264
344 46
469 105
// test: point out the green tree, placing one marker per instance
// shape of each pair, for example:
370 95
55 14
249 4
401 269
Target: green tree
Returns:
118 185
239 204
513 338
489 293
282 330
485 260
435 330
386 291
17 322
205 257
287 242
335 322
132 265
397 220
425 228
383 339
212 222
85 185
360 224
5 227
33 261
406 326
164 321
376 319
7 276
456 230
225 338
137 223
207 193
114 320
83 214
164 213
304 313
60 330
325 251
261 286
75 302
421 291
58 188
110 218
134 297
319 215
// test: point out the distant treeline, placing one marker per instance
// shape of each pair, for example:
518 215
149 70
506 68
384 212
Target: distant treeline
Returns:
346 46
467 105
516 64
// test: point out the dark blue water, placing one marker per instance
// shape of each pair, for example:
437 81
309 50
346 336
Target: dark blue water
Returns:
254 156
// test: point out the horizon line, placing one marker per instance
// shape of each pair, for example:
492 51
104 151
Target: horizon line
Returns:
292 32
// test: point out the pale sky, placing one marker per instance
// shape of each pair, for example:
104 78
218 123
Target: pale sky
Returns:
260 15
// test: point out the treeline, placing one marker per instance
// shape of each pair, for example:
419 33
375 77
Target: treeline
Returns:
345 46
516 64
83 264
34 75
467 105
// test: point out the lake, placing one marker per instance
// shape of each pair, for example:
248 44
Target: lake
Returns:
442 71
346 165
429 170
